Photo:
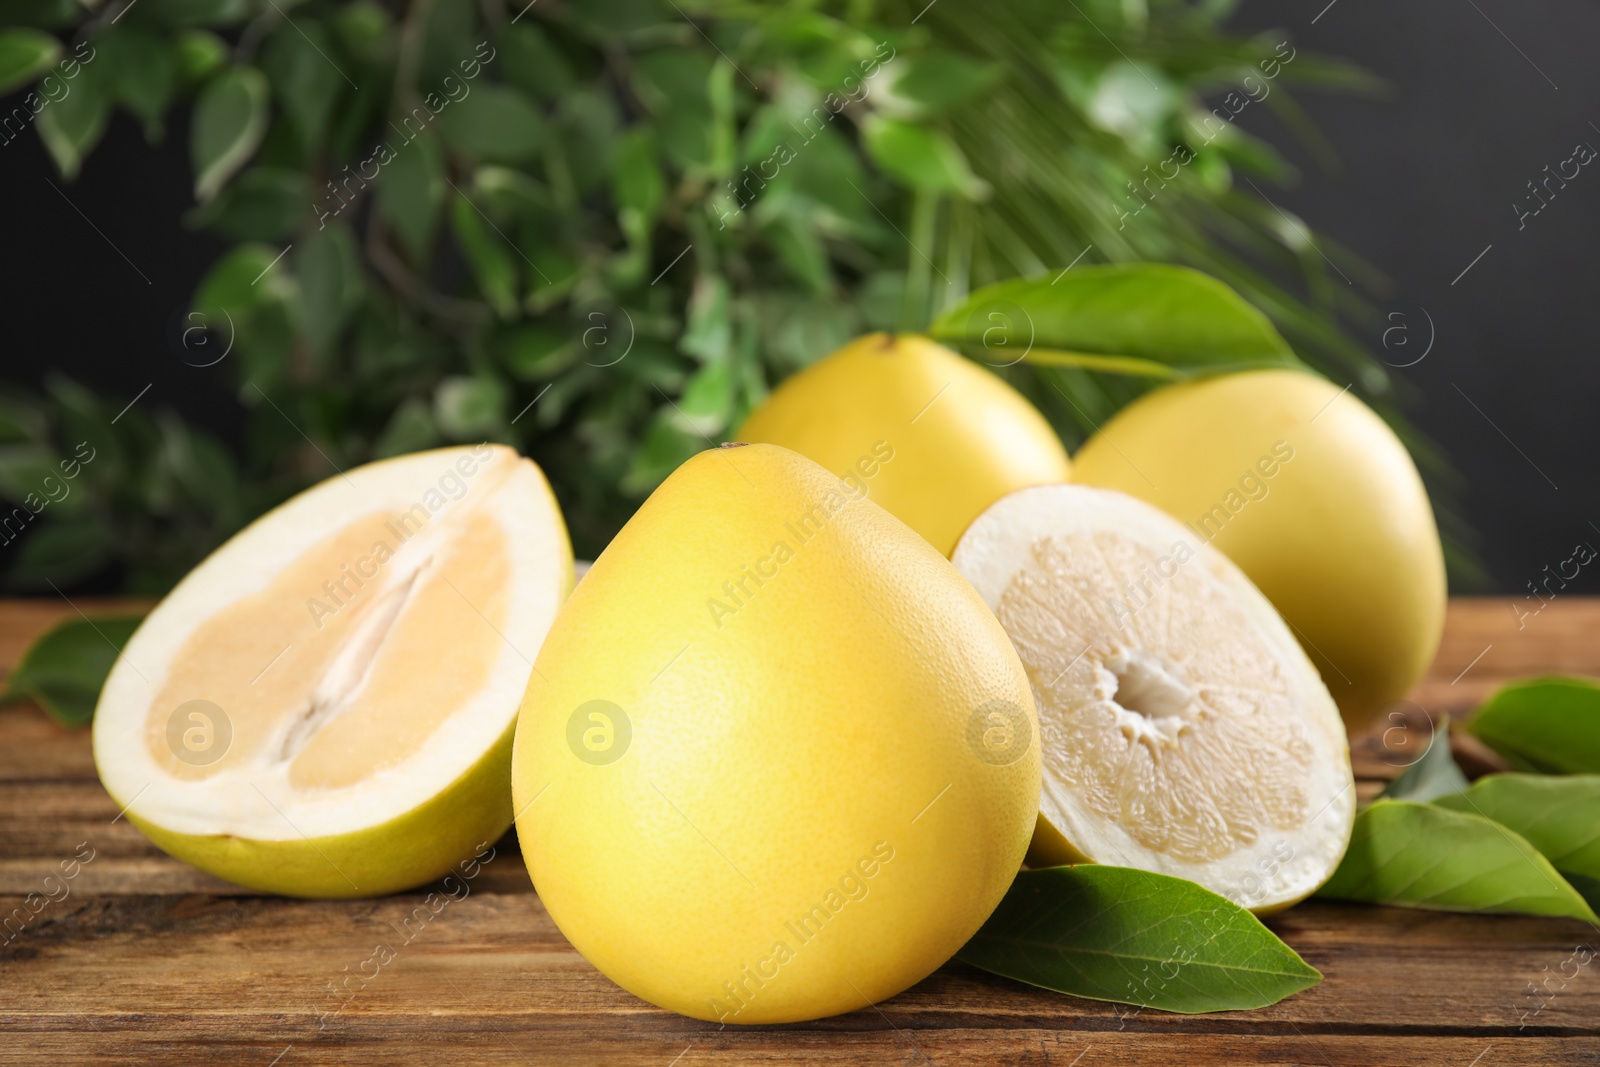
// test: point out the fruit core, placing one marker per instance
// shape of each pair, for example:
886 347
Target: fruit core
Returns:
336 666
1153 687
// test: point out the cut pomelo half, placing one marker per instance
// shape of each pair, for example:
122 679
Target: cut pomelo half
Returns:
325 706
1182 728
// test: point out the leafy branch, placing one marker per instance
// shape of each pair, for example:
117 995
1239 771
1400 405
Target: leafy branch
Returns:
600 232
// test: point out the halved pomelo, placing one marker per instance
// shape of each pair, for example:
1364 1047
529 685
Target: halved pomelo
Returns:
1182 728
325 706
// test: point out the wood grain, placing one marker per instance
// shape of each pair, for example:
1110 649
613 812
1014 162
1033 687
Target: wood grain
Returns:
147 960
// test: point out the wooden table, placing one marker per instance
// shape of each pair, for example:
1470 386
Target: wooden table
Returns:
147 960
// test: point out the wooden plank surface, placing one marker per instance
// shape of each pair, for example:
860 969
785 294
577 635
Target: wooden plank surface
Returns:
142 959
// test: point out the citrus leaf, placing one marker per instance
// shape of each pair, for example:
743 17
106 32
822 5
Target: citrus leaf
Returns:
239 280
922 158
1546 724
230 119
487 253
64 669
1433 775
1136 937
73 125
466 408
493 123
140 74
410 192
183 13
1560 816
328 267
24 55
262 204
1424 856
534 351
410 429
938 80
303 78
1138 318
636 180
533 63
197 54
709 333
63 549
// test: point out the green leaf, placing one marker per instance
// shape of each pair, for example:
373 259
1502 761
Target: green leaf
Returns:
24 55
532 63
709 334
22 468
938 80
1424 856
21 422
707 401
920 157
663 450
64 669
303 78
1433 775
800 248
470 407
410 429
244 277
198 54
673 85
492 123
328 268
64 549
186 13
1145 318
230 119
487 252
71 126
363 28
534 351
1548 724
1132 100
1560 816
262 204
139 74
1136 937
411 191
636 180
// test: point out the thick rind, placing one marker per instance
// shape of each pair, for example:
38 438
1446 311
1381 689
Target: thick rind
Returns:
828 717
414 848
996 546
425 815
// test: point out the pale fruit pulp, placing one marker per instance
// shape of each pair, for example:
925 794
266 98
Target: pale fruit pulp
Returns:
323 707
1183 729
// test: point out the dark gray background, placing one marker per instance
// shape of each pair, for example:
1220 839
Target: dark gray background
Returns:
1426 179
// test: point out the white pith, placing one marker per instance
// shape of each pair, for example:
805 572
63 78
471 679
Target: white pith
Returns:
256 800
1241 699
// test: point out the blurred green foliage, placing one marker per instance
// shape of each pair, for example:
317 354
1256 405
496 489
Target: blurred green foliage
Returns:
599 231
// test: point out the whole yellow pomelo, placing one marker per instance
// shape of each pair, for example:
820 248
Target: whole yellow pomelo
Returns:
1314 497
776 760
961 438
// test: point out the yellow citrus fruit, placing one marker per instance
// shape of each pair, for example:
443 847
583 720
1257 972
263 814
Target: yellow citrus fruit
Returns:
325 706
777 760
960 437
1183 729
1314 497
